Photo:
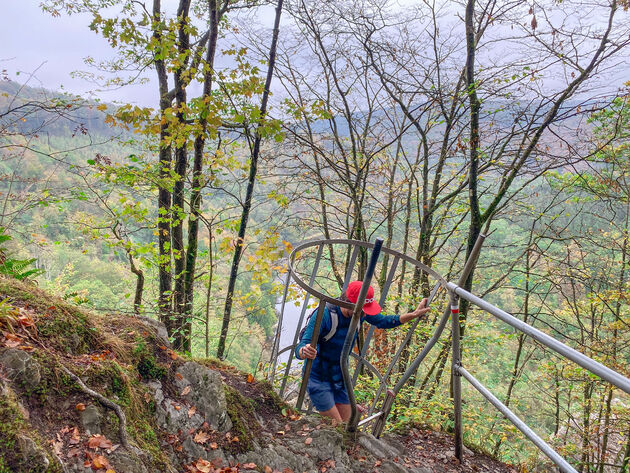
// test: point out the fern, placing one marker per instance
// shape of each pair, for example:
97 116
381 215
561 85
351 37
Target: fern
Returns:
16 268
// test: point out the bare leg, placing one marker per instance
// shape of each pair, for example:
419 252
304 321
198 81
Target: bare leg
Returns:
344 411
333 413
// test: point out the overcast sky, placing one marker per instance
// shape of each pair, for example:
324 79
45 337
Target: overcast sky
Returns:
32 40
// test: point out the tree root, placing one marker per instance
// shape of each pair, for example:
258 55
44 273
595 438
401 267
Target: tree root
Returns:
124 439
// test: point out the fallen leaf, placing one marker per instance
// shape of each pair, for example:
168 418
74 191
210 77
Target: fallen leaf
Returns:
249 466
179 376
99 441
26 321
250 378
308 441
76 437
191 411
80 407
73 452
203 465
57 447
185 391
280 432
99 461
268 469
214 446
201 437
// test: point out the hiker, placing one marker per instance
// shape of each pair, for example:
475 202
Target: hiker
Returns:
325 385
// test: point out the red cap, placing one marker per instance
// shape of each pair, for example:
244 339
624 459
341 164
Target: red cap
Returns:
370 306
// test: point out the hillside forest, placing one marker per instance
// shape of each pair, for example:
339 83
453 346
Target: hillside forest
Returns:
423 123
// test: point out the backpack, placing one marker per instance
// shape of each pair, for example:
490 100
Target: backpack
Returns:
334 319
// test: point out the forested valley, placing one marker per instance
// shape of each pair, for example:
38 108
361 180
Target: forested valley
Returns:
423 123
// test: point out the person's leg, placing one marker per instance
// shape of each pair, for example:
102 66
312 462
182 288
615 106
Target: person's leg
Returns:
342 402
344 411
322 398
334 414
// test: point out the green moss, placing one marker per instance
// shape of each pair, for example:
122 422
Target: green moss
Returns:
66 326
244 425
13 424
144 433
271 397
149 368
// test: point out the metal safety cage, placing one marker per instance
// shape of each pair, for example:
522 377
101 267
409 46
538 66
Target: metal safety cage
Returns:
451 311
353 249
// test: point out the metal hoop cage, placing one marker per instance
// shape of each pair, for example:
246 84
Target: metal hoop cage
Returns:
313 268
393 268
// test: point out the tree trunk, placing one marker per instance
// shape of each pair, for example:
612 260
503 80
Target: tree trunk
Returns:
197 182
181 162
253 169
164 195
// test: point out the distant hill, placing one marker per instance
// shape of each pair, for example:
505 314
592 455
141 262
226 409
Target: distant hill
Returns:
26 109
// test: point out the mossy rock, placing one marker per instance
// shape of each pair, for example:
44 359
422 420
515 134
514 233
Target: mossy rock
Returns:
20 446
66 327
244 424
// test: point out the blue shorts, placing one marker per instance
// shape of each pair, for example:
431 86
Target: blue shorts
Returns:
325 394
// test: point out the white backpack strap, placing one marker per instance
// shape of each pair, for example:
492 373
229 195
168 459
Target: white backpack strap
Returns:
334 321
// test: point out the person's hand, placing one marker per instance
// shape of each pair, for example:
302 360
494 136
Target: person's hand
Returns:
421 309
308 352
419 312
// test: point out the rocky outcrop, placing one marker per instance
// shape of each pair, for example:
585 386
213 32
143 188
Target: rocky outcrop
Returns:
197 427
80 393
203 388
21 368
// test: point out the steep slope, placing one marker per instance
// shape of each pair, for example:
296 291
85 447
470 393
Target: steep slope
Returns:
81 392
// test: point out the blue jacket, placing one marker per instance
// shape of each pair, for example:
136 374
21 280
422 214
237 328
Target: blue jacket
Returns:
326 365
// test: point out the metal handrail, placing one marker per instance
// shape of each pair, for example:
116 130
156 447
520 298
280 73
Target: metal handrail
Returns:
458 371
581 359
452 312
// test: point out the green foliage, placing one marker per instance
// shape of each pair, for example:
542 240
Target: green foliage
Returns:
16 268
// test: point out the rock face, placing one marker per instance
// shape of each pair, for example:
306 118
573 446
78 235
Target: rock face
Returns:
204 389
177 414
91 419
21 367
32 454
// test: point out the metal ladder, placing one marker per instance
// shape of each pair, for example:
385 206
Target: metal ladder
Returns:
379 416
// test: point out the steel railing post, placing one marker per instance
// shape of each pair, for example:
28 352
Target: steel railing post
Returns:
455 376
309 362
354 324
